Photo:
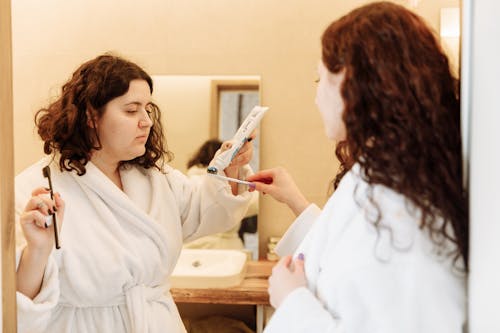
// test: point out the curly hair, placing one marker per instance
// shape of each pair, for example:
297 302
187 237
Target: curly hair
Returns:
402 114
205 153
64 124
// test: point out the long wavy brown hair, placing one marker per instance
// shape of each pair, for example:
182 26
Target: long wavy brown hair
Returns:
205 153
64 124
402 114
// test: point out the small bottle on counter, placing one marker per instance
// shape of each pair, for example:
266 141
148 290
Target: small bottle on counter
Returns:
271 255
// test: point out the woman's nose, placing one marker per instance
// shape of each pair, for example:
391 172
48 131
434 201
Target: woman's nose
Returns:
146 121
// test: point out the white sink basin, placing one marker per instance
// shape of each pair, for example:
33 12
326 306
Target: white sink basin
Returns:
208 269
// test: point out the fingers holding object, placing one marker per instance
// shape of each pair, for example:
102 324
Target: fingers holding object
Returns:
58 201
40 207
41 203
37 218
226 145
40 190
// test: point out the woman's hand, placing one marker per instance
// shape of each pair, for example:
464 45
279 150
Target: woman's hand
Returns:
243 157
40 237
280 185
286 277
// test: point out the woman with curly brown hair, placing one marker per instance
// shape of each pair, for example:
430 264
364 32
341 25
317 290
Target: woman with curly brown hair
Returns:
388 252
125 213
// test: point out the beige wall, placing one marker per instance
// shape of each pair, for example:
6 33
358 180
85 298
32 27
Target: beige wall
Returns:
186 105
277 40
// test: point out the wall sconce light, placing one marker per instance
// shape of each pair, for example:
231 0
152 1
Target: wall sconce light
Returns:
450 35
450 22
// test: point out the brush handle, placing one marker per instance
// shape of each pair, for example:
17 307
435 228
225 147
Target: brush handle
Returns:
46 174
56 233
234 180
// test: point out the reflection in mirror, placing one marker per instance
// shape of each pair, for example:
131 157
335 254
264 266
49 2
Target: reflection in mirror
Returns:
232 101
207 110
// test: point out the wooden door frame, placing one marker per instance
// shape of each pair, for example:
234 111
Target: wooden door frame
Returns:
7 216
227 84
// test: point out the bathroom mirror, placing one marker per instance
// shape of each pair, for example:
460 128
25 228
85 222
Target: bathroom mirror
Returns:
50 38
198 108
195 38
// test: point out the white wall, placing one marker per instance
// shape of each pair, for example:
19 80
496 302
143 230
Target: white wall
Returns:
484 279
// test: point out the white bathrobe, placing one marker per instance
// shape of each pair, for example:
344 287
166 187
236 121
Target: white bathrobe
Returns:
118 248
367 280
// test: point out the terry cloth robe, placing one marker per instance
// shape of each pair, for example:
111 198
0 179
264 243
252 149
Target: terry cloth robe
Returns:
361 279
118 248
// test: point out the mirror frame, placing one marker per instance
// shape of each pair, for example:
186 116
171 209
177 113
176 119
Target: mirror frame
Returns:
227 84
7 216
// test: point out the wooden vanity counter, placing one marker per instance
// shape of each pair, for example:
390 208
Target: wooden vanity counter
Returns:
252 290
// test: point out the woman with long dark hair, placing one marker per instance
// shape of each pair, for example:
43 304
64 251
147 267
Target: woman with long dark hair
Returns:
388 252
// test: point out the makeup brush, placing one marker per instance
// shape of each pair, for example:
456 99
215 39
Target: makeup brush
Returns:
46 174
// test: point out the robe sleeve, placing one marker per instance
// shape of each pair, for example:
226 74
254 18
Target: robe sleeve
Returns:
33 315
297 231
301 311
375 298
207 204
411 293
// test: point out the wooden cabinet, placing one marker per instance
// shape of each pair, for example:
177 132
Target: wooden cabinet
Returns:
251 291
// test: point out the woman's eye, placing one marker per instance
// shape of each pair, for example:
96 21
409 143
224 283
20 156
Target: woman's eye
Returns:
131 111
149 108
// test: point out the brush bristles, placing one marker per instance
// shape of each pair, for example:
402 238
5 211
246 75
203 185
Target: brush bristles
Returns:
46 171
212 170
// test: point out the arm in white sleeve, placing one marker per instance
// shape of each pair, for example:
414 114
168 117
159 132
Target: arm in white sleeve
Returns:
33 315
297 231
377 298
207 204
302 312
